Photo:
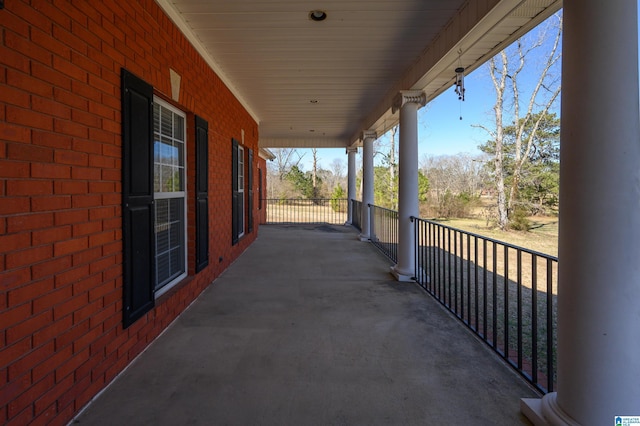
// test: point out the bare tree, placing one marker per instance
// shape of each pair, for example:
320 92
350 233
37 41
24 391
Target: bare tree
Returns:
337 168
314 171
285 159
335 176
458 174
455 183
505 70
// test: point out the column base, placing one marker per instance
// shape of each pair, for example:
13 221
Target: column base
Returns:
401 276
364 237
545 411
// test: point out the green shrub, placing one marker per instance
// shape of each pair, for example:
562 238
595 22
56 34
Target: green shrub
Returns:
337 197
457 205
519 220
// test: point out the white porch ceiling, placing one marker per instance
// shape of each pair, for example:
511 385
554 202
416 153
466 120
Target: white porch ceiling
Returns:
277 61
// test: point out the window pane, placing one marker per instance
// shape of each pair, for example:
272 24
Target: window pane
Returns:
156 177
180 153
169 174
162 240
177 261
178 128
166 121
175 213
170 247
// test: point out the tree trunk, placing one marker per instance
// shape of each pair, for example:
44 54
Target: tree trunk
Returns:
314 175
392 170
500 86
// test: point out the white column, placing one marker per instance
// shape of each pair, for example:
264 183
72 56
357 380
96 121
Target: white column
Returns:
408 103
367 180
599 236
351 181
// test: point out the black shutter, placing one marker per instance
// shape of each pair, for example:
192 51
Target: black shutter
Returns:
250 190
202 193
137 197
260 189
234 190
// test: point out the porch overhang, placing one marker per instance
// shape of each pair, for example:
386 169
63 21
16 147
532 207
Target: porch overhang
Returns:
320 84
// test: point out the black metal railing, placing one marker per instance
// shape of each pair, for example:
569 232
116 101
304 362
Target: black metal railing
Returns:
383 230
317 210
356 214
504 293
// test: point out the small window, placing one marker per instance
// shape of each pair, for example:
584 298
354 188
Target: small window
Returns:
240 191
169 149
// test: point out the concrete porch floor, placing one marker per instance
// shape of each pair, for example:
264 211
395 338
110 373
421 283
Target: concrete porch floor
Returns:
308 327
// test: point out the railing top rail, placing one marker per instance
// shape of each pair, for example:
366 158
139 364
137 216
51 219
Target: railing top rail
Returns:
383 208
304 199
493 240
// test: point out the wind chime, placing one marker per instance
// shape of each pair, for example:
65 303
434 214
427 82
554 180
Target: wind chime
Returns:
460 86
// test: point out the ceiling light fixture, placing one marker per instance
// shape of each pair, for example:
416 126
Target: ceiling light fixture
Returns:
317 15
313 101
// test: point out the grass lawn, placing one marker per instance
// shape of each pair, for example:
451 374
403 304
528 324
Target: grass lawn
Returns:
543 236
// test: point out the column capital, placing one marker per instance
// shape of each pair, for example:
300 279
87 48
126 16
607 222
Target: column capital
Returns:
369 134
406 97
351 149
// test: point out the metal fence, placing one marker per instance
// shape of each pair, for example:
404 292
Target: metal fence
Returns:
383 230
356 214
504 293
317 210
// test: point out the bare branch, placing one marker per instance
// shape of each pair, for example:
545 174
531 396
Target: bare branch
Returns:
485 128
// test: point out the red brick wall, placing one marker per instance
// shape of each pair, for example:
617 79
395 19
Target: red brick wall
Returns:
61 336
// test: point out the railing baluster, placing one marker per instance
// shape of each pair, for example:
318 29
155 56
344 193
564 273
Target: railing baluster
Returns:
550 314
455 272
448 270
475 271
506 302
484 288
534 319
519 307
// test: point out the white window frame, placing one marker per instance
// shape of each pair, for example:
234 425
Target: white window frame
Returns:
241 184
173 195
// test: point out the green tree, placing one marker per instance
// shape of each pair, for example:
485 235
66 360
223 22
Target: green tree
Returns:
303 182
423 187
533 175
505 70
384 195
337 197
